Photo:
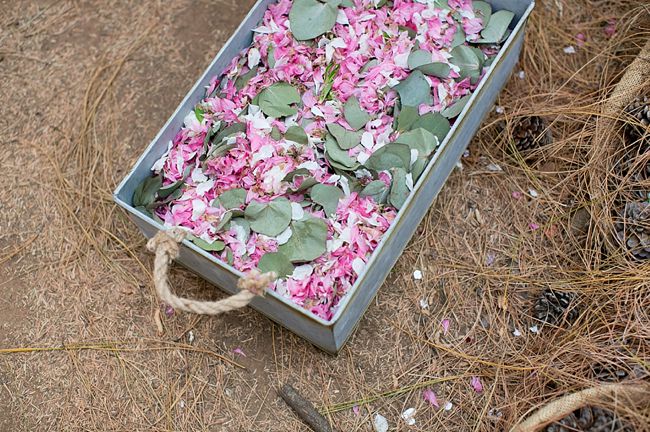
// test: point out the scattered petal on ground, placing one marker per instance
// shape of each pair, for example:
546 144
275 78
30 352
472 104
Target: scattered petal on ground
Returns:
581 39
356 410
610 28
521 74
489 260
534 329
477 385
430 396
239 351
533 226
190 336
424 304
409 416
499 109
445 325
533 193
493 167
516 332
448 406
169 311
517 195
569 49
417 275
380 424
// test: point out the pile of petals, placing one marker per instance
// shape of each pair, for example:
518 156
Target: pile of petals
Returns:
302 152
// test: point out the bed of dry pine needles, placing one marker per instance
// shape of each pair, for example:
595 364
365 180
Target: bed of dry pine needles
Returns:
85 86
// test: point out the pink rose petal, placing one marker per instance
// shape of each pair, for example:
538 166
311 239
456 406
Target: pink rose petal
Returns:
476 384
430 396
445 325
239 351
581 39
610 28
533 226
356 410
517 195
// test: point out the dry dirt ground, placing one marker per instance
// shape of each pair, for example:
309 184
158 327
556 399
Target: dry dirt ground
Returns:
84 86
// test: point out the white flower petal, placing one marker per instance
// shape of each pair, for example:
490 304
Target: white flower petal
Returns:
204 187
379 423
160 163
409 416
284 236
358 265
297 211
302 272
417 275
253 57
198 208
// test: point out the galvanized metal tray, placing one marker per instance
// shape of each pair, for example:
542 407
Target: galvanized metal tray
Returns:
331 335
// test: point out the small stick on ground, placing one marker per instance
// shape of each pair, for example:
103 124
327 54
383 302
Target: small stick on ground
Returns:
304 409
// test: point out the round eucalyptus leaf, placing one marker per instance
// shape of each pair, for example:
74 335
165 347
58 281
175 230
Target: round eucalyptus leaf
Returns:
345 138
356 116
377 190
482 10
309 19
398 189
215 246
339 156
296 134
497 27
390 156
407 116
419 139
456 108
278 100
468 62
327 196
308 242
269 218
435 123
231 199
275 262
414 90
145 193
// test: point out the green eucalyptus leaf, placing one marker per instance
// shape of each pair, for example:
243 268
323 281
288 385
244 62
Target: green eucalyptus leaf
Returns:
456 108
275 262
215 246
228 131
435 123
339 156
414 90
418 168
269 218
296 134
419 139
390 156
242 80
231 199
304 172
347 3
398 189
482 10
377 190
356 116
166 191
225 219
369 65
421 60
241 222
497 27
270 57
408 115
276 135
468 62
309 19
230 259
408 30
459 36
306 184
278 99
346 139
308 241
145 194
327 196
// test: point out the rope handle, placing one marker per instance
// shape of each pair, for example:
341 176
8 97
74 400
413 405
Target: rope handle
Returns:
165 245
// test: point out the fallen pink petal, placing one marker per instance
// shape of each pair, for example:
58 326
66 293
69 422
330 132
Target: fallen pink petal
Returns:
517 195
581 39
533 226
239 352
445 325
430 396
610 27
356 410
477 385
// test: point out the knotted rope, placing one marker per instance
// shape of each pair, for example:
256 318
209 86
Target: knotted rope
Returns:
165 245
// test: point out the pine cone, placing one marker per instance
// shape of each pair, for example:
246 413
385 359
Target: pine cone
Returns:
640 128
632 229
552 307
589 419
530 133
608 373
